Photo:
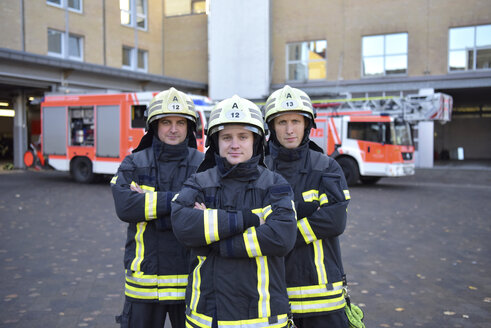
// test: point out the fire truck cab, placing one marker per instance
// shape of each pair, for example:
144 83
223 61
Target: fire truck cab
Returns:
367 147
91 134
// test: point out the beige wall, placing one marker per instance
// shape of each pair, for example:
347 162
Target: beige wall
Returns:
10 20
343 23
186 47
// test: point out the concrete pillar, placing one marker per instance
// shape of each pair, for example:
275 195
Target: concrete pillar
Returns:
20 130
424 152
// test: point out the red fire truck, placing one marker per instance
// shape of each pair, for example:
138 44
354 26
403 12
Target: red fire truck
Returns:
371 137
92 133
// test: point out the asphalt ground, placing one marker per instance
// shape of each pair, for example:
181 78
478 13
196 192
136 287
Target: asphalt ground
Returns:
416 250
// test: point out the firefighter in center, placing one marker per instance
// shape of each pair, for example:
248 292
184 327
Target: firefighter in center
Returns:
156 264
314 269
238 218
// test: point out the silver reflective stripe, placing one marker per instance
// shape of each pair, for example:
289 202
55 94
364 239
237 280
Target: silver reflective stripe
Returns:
172 280
313 291
263 286
306 230
200 320
301 307
139 280
211 226
319 261
151 205
251 244
172 293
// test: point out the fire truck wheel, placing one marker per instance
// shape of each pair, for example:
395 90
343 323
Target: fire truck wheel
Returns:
81 170
350 169
369 180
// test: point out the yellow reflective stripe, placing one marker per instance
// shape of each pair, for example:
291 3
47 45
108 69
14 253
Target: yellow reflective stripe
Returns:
195 291
281 320
211 225
315 291
114 179
150 205
319 305
310 195
138 278
139 246
306 230
319 261
198 319
263 306
263 213
161 294
347 194
251 243
323 199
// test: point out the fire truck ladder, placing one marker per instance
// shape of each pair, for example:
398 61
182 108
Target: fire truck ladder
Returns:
412 108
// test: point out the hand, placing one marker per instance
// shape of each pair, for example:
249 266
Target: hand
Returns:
199 206
306 209
136 187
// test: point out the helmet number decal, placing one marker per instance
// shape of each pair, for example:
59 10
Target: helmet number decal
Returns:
235 115
289 104
174 106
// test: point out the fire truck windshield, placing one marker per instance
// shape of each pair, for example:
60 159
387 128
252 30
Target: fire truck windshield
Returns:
401 133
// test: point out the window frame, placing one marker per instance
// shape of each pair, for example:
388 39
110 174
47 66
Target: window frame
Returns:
64 3
303 62
190 11
384 55
134 15
133 53
474 49
64 39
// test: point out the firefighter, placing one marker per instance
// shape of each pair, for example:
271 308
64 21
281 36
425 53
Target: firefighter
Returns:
239 220
314 270
156 264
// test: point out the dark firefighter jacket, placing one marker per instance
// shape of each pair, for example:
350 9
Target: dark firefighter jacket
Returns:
156 264
314 271
237 277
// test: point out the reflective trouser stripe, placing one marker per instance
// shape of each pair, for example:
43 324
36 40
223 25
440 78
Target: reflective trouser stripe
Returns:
318 305
139 246
306 230
195 292
114 179
278 321
319 262
263 306
317 291
162 294
347 194
251 243
211 226
198 319
263 213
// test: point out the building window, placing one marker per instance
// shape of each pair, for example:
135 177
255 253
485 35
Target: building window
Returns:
469 48
306 60
384 54
135 59
56 45
75 5
134 13
184 7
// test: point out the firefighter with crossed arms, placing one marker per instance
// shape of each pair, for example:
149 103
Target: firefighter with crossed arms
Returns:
156 264
314 269
238 218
